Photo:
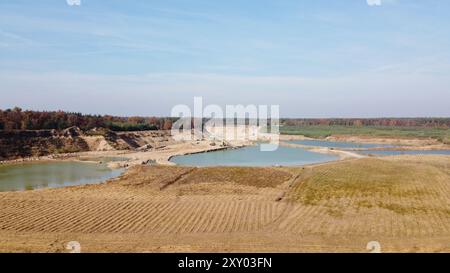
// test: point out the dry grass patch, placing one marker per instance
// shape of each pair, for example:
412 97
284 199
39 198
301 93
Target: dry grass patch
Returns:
255 177
401 186
157 176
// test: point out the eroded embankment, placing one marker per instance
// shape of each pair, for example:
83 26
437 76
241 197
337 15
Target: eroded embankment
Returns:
21 144
28 144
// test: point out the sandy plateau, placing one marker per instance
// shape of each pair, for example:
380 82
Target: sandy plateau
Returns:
400 201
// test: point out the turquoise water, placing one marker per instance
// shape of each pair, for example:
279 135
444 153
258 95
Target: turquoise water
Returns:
29 176
415 152
338 144
252 156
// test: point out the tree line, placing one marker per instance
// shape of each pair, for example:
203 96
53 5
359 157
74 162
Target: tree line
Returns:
17 119
380 122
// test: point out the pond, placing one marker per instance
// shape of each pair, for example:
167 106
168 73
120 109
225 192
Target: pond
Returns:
338 144
409 152
252 156
29 176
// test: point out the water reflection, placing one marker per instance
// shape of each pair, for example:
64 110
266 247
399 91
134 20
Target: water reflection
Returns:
252 156
29 176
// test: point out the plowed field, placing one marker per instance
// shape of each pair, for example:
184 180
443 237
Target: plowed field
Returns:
402 202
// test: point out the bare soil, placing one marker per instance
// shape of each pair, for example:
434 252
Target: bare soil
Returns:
403 202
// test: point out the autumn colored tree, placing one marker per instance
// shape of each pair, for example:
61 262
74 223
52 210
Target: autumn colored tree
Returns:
16 119
167 124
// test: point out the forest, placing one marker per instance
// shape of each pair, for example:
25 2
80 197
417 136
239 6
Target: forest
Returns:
17 119
443 123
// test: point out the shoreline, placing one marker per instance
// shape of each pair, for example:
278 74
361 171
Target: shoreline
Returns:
163 155
324 150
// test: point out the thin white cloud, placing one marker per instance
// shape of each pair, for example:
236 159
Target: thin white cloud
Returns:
10 38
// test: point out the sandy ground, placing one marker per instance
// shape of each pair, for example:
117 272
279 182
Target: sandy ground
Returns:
402 202
155 147
323 150
160 155
406 143
166 147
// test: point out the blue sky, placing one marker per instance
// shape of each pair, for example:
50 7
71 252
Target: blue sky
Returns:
313 58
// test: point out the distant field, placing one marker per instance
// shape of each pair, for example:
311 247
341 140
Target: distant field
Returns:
322 131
